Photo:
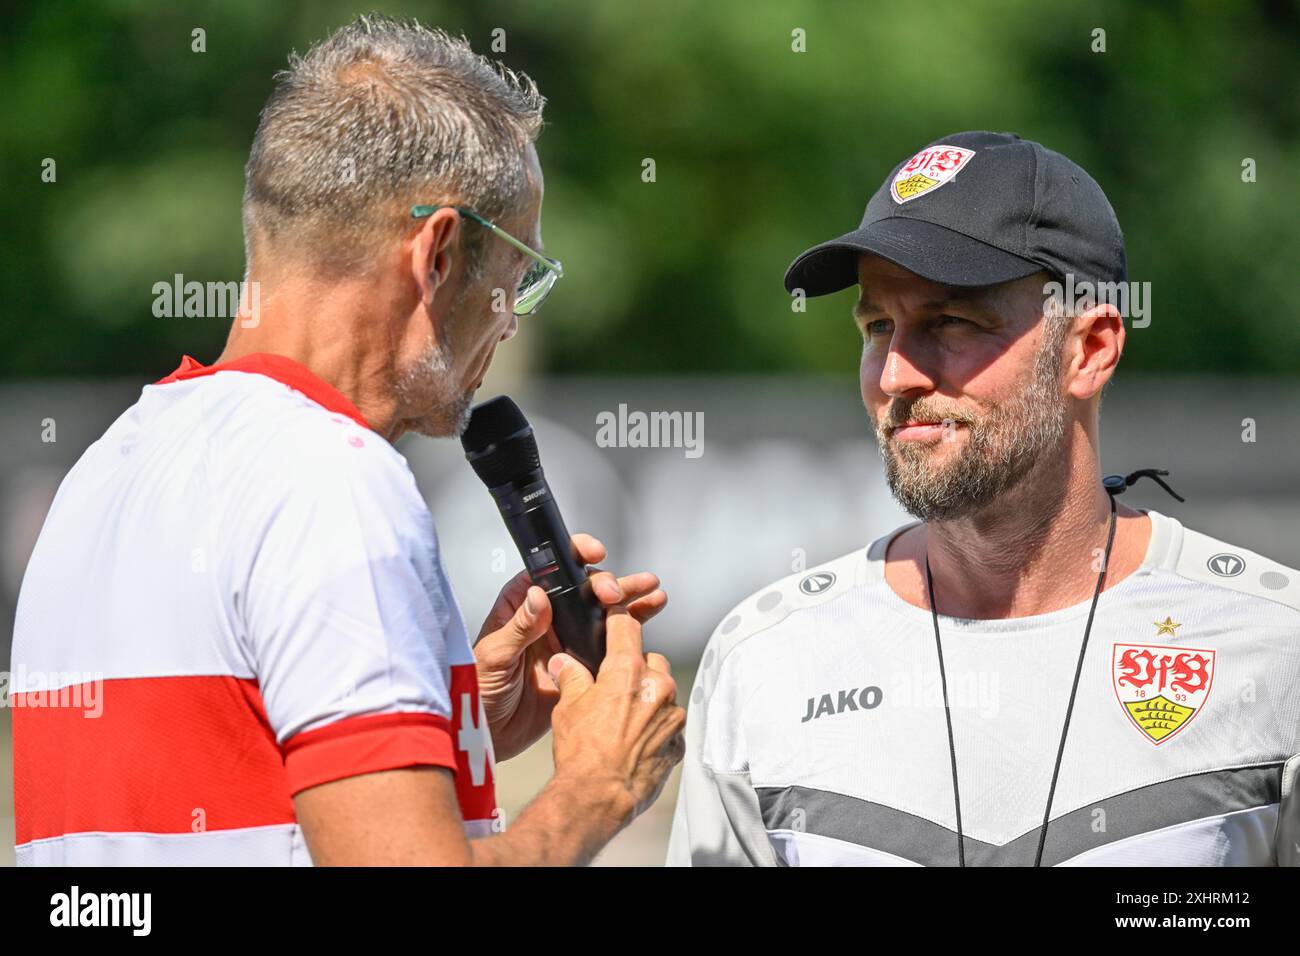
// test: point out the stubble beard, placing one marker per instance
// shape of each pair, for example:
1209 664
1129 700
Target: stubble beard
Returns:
429 383
1004 444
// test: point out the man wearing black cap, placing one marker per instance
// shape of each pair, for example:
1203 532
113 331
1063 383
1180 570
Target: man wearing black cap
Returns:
1028 674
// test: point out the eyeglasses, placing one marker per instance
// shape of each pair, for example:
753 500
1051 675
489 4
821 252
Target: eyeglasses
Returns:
539 278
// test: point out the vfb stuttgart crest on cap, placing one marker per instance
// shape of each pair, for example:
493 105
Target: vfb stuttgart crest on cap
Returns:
1161 688
927 170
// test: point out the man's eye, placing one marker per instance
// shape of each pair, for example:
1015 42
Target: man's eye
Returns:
877 327
954 320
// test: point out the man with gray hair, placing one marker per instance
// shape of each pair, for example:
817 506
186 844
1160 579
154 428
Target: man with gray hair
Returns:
286 678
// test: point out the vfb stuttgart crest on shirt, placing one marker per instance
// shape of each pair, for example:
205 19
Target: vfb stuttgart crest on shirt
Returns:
927 170
1161 688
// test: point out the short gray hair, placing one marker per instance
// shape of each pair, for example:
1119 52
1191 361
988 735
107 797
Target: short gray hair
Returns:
382 115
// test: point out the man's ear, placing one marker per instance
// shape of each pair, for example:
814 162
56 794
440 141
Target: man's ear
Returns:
432 252
1099 342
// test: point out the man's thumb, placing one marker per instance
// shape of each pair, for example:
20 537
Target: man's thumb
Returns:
531 619
568 674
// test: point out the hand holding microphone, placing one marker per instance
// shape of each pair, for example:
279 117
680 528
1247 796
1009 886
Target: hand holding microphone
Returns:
501 448
517 640
622 730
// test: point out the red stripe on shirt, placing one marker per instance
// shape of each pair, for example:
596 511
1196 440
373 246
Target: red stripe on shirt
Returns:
367 744
473 747
165 755
189 754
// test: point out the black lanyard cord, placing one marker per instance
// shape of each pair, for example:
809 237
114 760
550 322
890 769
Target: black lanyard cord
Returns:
943 680
1114 485
1074 689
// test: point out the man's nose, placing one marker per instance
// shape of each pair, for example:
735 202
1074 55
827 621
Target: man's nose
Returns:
905 368
511 329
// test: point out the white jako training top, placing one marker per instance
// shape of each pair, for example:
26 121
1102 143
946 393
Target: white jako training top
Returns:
237 595
816 731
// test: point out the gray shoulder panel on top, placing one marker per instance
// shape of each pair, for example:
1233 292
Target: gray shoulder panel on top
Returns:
771 605
1210 561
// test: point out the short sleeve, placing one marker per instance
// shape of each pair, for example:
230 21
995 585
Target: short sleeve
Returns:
718 821
1287 836
348 619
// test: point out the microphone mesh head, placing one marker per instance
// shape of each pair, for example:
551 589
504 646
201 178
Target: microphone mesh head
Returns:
499 442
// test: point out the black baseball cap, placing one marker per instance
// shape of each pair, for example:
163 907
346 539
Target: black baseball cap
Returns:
977 209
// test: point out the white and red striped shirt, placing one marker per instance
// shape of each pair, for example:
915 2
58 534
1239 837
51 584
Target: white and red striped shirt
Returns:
237 595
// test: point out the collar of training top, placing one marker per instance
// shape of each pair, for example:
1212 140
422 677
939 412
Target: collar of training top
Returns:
281 368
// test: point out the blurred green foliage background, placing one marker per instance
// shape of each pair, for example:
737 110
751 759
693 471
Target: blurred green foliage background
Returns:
760 151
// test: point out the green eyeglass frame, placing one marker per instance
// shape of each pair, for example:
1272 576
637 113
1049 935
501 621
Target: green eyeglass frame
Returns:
539 278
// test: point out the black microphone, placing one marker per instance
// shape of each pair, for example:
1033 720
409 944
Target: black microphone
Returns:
500 446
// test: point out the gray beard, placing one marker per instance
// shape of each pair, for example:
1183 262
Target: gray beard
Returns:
1003 446
448 414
